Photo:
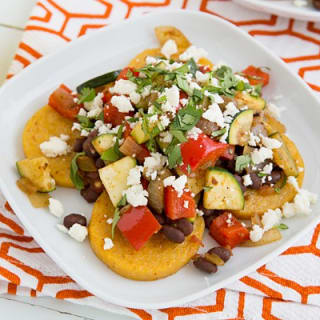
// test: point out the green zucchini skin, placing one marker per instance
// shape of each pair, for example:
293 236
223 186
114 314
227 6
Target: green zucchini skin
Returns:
99 81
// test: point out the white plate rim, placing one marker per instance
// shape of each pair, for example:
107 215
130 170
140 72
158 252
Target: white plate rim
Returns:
67 268
281 11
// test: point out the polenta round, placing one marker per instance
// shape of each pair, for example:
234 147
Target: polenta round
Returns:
159 257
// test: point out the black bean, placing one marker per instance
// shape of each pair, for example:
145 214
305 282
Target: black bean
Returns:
275 176
92 134
256 181
185 226
73 218
208 220
204 265
97 186
77 147
230 165
239 179
92 175
160 218
89 149
173 234
222 252
206 212
100 163
89 194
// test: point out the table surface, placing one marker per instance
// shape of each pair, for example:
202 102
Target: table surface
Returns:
13 15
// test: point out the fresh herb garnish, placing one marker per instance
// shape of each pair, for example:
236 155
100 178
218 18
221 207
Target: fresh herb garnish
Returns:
113 154
174 154
218 133
116 215
242 162
74 175
179 135
189 169
85 122
282 226
262 174
183 84
193 68
86 95
284 182
207 188
227 80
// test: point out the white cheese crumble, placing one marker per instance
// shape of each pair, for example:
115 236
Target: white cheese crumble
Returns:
136 195
186 204
108 244
271 218
76 126
173 97
165 121
146 91
270 143
256 233
82 112
78 232
253 140
135 97
62 228
247 180
177 183
214 114
169 48
292 180
202 77
231 110
267 169
84 133
122 103
109 221
56 207
134 176
154 163
193 52
260 155
199 212
183 101
96 103
123 86
55 146
194 133
166 137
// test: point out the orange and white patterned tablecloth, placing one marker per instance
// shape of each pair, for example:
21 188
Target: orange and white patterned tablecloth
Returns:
286 288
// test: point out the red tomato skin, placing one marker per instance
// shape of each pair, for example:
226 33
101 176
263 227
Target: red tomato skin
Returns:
127 130
62 101
252 71
196 153
123 73
137 225
113 116
174 206
228 235
204 69
144 153
229 153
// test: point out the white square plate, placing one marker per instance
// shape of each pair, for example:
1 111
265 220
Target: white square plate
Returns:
112 48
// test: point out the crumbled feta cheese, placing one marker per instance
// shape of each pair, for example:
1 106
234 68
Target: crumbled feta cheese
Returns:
193 85
256 233
84 133
270 143
186 204
135 97
177 183
109 221
154 163
165 121
166 137
151 60
193 52
136 195
274 110
76 126
78 232
82 112
123 86
241 78
98 124
169 48
303 201
214 96
300 169
173 98
199 212
62 228
231 110
271 218
94 113
146 91
247 180
289 210
260 155
253 140
96 103
108 244
75 100
229 220
223 138
292 180
122 103
55 146
267 169
153 119
134 175
202 77
194 133
214 114
56 207
183 101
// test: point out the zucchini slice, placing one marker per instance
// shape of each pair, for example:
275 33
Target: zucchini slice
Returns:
138 134
37 171
114 178
240 128
253 103
99 81
283 158
225 192
103 142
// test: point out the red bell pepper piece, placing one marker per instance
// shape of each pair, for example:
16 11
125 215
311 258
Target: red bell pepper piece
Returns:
229 153
256 76
137 224
132 149
123 73
228 231
62 101
196 153
174 206
127 130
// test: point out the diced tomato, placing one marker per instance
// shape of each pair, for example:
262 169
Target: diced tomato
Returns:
145 183
204 69
127 130
174 206
130 148
62 101
143 153
196 153
182 95
137 224
229 152
113 115
256 76
228 231
123 73
63 86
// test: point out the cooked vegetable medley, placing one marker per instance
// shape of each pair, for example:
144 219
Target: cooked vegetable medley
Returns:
173 140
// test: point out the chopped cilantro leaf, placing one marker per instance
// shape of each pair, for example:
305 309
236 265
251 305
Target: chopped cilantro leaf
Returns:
86 95
242 162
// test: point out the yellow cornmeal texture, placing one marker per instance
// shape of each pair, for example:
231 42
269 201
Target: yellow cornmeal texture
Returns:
44 124
257 203
159 257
